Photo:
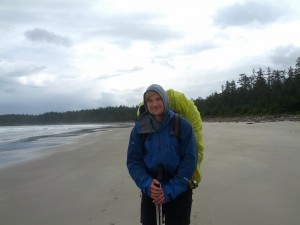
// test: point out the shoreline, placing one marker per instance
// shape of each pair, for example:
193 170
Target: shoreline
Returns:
250 174
252 119
39 142
219 119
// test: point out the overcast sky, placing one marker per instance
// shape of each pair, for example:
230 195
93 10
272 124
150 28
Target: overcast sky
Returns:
61 55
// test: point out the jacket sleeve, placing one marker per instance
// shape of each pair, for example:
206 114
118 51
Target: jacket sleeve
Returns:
189 158
135 163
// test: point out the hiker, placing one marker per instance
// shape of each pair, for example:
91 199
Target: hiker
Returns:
153 146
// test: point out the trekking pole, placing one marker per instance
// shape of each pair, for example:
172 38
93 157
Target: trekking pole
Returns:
159 213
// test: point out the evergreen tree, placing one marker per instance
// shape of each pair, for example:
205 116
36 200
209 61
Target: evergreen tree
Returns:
275 92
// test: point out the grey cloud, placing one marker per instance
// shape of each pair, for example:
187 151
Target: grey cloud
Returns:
29 102
118 73
19 71
42 35
285 56
107 76
126 97
163 62
134 69
197 48
9 73
108 98
154 32
191 49
129 32
241 14
26 11
125 28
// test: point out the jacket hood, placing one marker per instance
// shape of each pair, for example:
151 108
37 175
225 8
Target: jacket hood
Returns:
159 90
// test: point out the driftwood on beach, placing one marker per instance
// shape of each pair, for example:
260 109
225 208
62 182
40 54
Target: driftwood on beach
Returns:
253 119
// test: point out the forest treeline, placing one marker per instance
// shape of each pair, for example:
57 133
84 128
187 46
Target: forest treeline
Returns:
269 92
100 115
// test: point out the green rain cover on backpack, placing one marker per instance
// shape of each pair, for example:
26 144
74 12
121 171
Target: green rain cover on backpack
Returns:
185 107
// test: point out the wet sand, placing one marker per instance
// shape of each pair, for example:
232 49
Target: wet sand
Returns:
251 175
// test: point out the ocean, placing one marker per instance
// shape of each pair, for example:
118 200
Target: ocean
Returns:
19 143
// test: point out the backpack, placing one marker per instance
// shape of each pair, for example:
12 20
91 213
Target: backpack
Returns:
186 108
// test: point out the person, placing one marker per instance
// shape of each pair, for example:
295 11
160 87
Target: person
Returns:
152 145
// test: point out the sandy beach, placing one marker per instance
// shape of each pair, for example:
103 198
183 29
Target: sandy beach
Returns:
251 176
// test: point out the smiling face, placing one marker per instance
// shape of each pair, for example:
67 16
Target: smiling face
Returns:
155 105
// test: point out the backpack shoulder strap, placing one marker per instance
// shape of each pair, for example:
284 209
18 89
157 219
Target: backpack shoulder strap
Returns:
143 136
176 125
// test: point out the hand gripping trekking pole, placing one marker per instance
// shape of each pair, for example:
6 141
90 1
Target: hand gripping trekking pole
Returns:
159 213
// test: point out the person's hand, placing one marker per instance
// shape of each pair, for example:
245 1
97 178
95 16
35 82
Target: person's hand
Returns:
157 193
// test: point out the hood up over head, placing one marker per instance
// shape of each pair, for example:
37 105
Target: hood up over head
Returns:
159 90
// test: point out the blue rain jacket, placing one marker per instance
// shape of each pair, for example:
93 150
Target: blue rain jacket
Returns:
178 156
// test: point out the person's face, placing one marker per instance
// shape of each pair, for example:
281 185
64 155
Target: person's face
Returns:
155 105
